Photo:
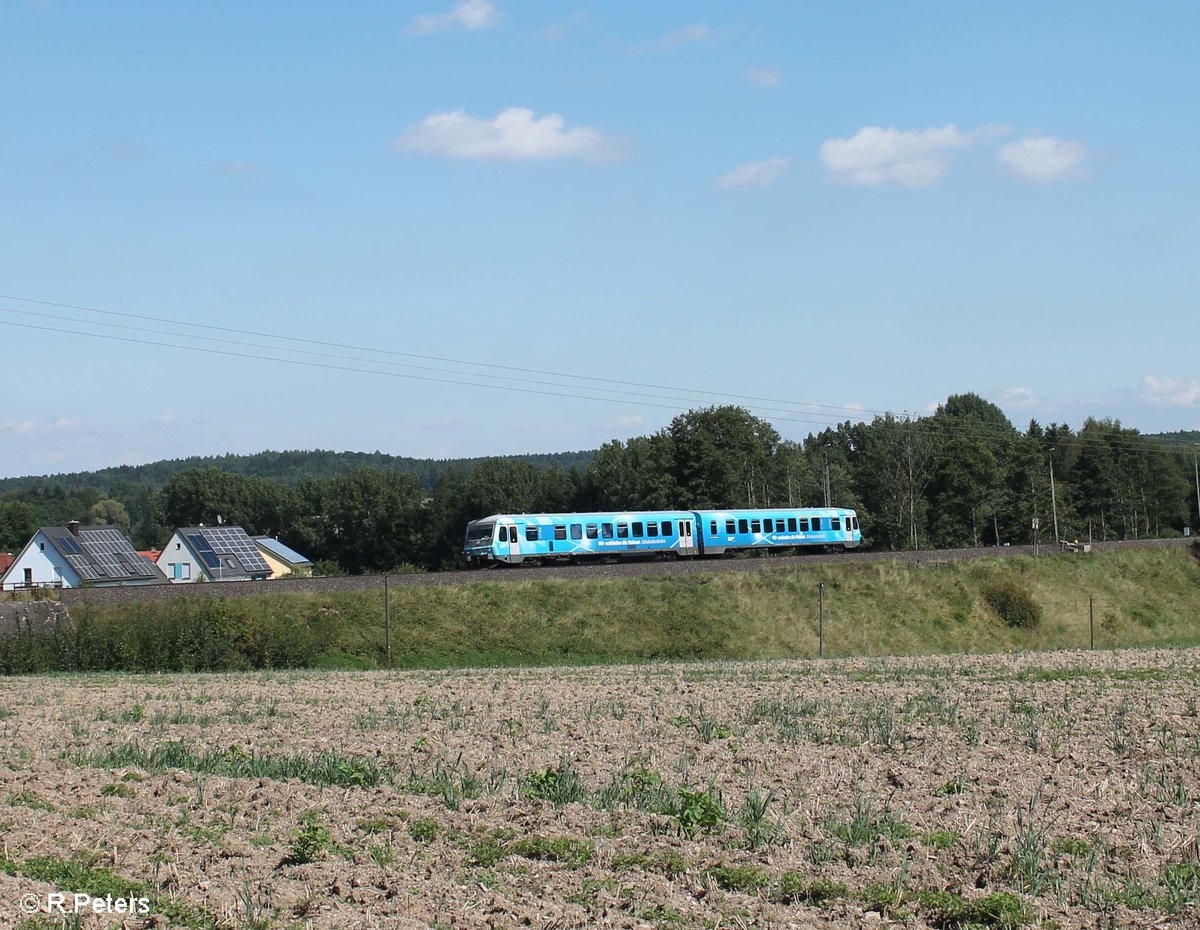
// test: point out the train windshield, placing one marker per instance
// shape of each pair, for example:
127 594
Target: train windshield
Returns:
479 534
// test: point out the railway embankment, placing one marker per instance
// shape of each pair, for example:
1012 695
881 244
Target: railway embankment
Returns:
739 610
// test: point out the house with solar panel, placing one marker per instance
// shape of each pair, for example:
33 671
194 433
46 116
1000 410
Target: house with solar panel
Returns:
284 560
75 556
212 553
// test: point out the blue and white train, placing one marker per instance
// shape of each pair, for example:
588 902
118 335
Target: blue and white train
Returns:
535 538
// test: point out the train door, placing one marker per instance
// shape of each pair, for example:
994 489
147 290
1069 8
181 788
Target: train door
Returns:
514 546
687 539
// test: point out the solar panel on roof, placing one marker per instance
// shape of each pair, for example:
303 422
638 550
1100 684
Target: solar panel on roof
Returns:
69 545
83 568
205 551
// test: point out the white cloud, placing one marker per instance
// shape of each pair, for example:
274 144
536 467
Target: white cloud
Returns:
1044 158
1018 398
469 15
632 421
1172 392
697 32
17 427
556 31
764 77
756 173
515 135
874 155
63 423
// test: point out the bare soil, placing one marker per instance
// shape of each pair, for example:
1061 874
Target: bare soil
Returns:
618 796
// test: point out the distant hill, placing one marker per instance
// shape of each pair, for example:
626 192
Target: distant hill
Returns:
1179 437
289 467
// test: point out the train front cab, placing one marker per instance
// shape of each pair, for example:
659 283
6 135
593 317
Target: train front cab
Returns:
492 541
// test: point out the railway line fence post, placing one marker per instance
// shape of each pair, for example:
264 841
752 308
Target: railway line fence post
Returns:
820 619
387 620
1092 621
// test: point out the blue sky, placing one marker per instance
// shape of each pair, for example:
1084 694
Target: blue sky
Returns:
863 206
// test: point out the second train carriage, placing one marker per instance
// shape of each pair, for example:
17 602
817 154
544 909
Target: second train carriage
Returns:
514 539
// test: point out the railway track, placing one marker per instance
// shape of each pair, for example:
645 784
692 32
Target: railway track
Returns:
567 572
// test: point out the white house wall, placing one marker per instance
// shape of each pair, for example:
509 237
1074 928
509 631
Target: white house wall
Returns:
48 567
176 553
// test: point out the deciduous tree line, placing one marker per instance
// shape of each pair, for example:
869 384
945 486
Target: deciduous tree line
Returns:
963 476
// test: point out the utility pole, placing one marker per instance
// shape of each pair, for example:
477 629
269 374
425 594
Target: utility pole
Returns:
827 487
1196 466
1053 499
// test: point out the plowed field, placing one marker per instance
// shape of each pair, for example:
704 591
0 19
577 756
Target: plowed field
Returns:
1048 790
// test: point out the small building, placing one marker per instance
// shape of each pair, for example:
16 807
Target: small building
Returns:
6 559
283 559
75 556
212 553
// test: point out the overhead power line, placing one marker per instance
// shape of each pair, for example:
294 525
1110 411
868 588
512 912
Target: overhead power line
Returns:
381 363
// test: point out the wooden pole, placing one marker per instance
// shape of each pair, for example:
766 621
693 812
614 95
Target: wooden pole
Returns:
821 619
387 620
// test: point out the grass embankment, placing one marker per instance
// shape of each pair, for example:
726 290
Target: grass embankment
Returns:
1142 598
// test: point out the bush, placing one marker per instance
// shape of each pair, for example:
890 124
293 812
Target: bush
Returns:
1013 604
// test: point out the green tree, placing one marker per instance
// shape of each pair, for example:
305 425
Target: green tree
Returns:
109 512
723 457
18 523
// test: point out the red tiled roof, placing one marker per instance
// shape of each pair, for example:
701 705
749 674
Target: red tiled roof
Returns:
6 559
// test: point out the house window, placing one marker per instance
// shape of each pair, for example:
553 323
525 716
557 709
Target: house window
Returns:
185 571
42 547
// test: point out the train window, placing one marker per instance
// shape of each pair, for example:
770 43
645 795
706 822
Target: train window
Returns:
729 526
816 524
791 524
804 524
606 531
835 523
593 531
638 530
622 531
755 526
560 532
531 534
504 534
576 531
768 526
651 529
667 529
743 526
854 520
712 527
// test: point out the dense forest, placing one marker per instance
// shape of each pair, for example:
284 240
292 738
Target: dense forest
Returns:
962 476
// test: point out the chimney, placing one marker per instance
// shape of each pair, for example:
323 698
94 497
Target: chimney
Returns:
73 526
